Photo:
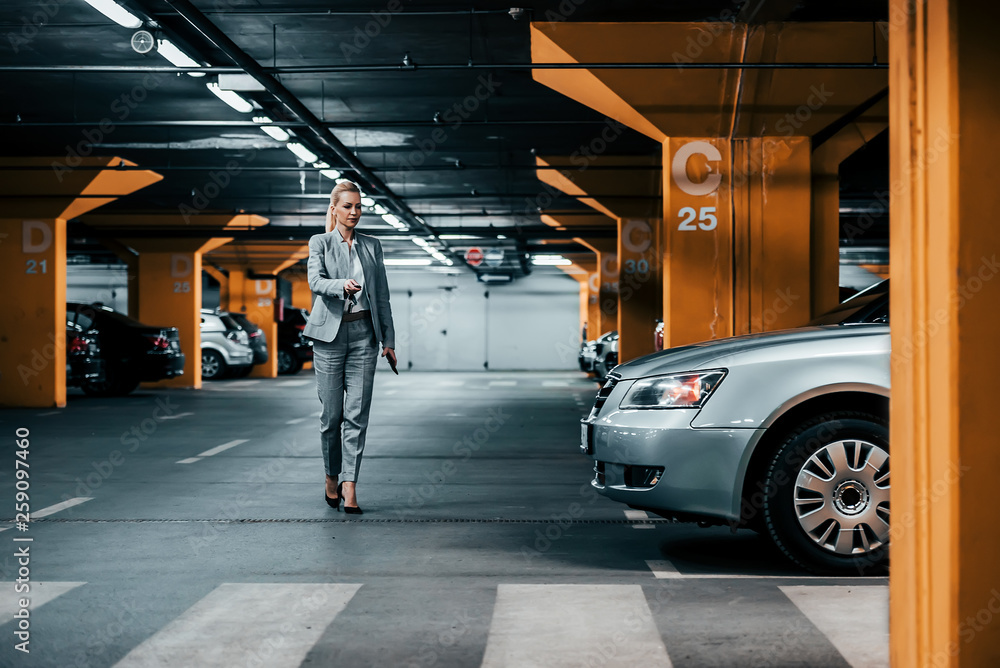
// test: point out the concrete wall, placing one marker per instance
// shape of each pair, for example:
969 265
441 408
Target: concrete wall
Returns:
451 322
444 322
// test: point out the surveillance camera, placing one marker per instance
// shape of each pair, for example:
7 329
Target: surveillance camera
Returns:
516 13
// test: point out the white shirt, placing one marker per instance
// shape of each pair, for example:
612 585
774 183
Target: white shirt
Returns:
357 272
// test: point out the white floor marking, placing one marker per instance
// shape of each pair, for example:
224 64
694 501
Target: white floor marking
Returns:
40 594
49 413
174 417
189 460
665 570
225 446
293 383
62 505
243 624
555 383
855 619
502 383
451 383
390 392
555 626
317 414
242 383
296 420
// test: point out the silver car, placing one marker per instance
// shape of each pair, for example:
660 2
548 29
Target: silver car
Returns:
225 346
784 432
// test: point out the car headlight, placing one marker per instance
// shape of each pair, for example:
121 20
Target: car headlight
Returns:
677 390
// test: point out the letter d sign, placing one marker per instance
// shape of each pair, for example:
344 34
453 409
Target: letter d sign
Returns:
28 228
263 287
180 265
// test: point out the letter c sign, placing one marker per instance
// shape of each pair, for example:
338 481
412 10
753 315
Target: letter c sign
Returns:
678 168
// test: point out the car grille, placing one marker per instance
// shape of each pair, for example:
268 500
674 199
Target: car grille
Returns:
603 394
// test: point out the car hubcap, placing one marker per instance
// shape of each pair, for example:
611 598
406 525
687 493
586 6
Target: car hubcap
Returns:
209 366
842 497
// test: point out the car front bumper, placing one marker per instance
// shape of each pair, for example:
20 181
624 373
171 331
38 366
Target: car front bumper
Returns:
653 459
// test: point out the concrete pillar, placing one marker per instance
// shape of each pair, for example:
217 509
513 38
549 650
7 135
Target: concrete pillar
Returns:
169 294
639 286
40 195
33 327
254 297
945 296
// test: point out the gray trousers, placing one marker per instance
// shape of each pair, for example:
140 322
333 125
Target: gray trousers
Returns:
345 374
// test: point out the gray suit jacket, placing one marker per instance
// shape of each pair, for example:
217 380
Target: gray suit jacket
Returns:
328 261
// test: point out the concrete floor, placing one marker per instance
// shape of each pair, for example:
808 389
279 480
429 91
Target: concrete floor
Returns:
203 541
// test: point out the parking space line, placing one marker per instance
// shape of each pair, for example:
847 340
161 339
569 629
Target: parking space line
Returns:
641 518
296 420
665 570
317 414
62 505
242 383
189 460
570 625
451 383
174 417
293 383
854 619
502 383
41 593
555 383
231 624
225 446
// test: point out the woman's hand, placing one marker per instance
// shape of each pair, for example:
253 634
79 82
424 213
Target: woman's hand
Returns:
350 287
391 353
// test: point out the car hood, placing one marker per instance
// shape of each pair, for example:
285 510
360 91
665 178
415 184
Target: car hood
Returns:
700 355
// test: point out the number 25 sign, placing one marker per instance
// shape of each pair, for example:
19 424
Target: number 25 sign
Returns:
703 218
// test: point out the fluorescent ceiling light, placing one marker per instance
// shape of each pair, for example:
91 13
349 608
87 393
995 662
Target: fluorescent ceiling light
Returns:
390 218
302 152
176 57
116 13
459 236
231 98
262 120
368 201
551 260
380 210
274 132
420 242
501 236
324 169
416 261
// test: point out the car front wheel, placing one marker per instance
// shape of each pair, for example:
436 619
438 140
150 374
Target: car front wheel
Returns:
288 363
827 500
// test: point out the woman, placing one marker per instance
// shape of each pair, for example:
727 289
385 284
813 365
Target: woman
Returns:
350 315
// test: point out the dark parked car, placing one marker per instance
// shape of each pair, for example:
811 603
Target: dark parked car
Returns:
131 351
83 356
258 341
293 348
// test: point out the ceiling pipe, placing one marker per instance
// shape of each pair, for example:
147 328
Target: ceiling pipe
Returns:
250 66
332 69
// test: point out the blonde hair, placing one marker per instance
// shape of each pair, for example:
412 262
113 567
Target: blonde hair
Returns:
344 186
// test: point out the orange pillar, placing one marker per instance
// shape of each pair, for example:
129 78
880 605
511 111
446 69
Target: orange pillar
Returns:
255 297
945 296
33 328
169 295
639 286
37 204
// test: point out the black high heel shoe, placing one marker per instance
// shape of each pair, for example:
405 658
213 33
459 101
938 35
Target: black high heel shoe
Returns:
333 503
350 510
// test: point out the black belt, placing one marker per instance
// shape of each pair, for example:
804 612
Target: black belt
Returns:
356 315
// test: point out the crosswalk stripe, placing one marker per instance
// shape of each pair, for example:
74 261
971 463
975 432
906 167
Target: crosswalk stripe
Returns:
62 505
39 594
854 619
243 624
572 625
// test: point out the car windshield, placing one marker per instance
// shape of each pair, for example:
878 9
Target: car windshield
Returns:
869 305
